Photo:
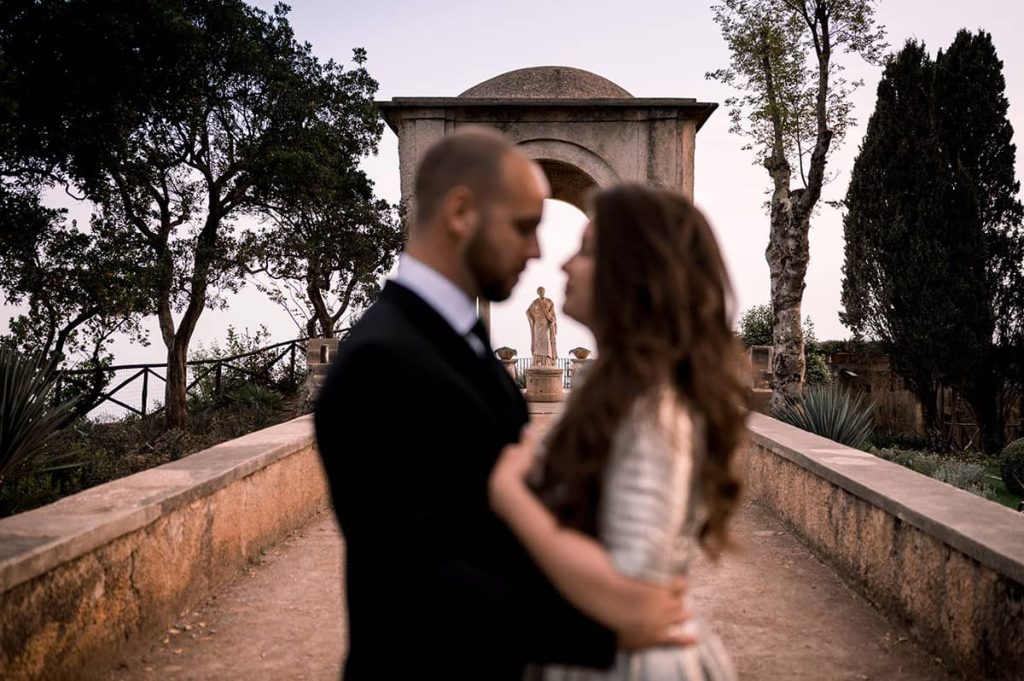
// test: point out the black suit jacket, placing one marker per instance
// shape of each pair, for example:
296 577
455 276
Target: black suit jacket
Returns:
409 423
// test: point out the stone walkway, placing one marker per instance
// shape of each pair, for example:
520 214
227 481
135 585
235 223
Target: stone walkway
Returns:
781 613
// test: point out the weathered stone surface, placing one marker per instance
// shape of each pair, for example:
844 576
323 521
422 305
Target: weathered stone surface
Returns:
87 575
545 384
546 82
584 130
948 563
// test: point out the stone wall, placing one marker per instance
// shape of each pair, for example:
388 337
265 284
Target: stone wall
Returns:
948 563
100 570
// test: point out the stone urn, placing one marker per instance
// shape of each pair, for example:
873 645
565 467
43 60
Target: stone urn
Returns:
505 352
507 356
580 353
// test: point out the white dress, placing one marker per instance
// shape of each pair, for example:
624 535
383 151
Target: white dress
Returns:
646 521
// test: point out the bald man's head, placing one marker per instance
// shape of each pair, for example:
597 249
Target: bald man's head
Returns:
479 201
471 158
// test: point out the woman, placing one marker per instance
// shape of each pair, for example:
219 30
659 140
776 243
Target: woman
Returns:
641 458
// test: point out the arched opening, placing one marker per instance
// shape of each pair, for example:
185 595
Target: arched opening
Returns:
568 183
559 234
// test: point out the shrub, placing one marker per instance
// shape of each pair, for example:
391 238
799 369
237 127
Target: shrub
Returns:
1011 466
922 462
756 326
818 371
253 369
967 475
970 477
831 412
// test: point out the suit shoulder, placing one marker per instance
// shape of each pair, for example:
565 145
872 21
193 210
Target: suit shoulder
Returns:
382 329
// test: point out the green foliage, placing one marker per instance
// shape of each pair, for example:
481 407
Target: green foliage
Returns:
254 370
777 48
76 288
756 325
795 109
818 371
933 185
969 476
176 119
29 418
108 451
1011 466
755 328
831 412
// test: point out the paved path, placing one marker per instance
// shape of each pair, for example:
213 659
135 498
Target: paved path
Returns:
781 613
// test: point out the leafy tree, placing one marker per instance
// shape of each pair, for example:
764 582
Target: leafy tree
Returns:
175 119
755 328
971 114
77 288
756 325
896 230
795 109
327 244
934 246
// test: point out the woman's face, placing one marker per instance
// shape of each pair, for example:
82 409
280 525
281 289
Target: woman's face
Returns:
579 289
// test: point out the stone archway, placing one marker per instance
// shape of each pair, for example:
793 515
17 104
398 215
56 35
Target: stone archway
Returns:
571 169
584 130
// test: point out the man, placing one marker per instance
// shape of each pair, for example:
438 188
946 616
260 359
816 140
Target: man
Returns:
543 329
410 421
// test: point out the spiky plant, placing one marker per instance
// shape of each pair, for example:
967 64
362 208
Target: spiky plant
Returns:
832 412
28 415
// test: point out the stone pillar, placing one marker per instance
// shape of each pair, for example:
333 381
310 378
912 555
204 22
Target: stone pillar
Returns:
576 367
320 353
510 367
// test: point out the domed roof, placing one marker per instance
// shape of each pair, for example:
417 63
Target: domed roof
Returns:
547 82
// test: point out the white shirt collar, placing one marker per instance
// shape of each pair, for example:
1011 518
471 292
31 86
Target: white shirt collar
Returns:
447 299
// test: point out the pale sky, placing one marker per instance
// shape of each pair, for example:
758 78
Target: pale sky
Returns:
652 49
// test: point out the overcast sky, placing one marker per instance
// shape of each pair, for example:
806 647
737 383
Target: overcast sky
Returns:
652 49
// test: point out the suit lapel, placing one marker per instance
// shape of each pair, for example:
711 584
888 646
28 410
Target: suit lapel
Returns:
480 373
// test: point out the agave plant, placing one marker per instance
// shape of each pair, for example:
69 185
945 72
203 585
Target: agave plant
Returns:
832 412
28 417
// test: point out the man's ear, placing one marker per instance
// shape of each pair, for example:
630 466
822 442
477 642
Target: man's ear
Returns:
460 212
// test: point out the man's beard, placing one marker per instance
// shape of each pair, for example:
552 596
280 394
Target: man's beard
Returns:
491 286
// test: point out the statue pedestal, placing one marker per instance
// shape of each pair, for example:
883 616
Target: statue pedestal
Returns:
577 367
544 384
510 367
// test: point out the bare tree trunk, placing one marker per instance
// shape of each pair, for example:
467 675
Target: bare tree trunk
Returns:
320 312
176 408
787 255
983 395
177 341
929 399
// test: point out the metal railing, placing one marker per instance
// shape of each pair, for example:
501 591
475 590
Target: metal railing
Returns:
131 392
564 363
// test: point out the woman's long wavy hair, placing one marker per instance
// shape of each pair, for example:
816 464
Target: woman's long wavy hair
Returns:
662 315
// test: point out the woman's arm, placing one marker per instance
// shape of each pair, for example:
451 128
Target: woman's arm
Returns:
640 612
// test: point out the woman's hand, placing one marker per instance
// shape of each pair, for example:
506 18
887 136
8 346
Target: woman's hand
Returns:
508 478
652 615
